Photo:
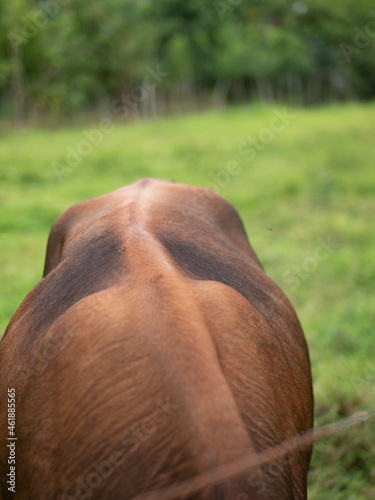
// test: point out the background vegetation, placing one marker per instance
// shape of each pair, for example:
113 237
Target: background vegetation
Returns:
64 57
313 180
97 66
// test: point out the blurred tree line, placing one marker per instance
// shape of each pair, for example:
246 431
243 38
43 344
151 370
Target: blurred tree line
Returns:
143 57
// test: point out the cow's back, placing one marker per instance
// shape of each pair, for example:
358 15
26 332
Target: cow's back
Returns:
154 349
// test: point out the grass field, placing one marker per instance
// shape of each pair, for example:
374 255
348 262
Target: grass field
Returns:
306 192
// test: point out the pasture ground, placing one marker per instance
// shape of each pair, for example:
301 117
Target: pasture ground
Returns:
306 194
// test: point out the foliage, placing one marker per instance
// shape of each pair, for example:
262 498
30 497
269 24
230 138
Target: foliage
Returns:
61 57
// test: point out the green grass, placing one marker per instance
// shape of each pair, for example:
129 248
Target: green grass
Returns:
313 179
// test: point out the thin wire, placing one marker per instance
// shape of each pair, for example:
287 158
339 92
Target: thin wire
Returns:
214 476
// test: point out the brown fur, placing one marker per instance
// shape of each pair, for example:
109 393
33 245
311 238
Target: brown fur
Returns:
155 348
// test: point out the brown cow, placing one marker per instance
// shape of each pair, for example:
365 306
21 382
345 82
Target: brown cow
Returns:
154 348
